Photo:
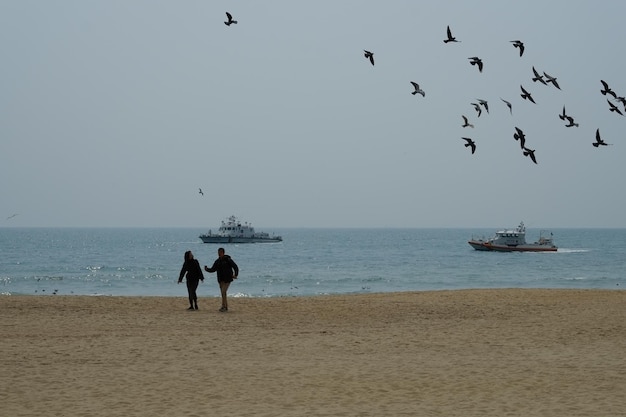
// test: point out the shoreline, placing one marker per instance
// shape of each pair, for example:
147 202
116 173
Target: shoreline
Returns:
487 352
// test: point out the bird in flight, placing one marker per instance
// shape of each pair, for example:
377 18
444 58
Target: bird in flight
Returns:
550 79
520 136
570 119
508 104
614 108
520 45
417 89
200 191
538 77
450 37
530 153
11 216
465 122
571 123
477 108
369 55
230 20
526 95
599 141
484 104
607 90
476 61
470 143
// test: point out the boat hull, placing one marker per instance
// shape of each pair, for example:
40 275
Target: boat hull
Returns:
487 246
234 239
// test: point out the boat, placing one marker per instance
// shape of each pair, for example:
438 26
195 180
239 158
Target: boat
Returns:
233 231
514 240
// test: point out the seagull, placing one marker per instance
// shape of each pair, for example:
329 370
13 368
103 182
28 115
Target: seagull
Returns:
530 153
599 141
607 90
571 123
520 45
477 61
450 37
230 19
477 108
613 107
538 77
621 100
562 116
369 55
552 80
508 104
418 90
526 95
519 135
465 122
471 143
200 191
11 216
484 103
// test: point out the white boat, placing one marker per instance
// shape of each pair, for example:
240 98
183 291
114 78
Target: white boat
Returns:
233 231
514 240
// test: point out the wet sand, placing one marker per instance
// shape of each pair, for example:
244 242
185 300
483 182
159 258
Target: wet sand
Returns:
504 352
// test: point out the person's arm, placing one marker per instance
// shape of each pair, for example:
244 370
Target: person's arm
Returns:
211 269
182 273
235 268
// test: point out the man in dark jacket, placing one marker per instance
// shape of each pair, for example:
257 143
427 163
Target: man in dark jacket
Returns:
227 270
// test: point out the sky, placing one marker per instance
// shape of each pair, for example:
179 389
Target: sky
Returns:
115 113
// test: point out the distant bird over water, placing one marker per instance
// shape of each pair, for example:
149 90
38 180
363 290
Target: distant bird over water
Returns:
520 45
470 143
526 95
200 191
417 89
465 122
476 61
450 37
369 55
230 20
11 216
599 141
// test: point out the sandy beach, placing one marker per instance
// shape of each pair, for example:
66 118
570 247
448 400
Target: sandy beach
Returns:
444 353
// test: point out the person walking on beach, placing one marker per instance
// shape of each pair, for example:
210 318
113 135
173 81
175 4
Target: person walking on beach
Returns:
227 270
191 267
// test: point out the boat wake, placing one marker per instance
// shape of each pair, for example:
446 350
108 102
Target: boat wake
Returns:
566 250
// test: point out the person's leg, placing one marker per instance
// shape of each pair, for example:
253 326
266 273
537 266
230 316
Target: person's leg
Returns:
195 295
223 290
191 290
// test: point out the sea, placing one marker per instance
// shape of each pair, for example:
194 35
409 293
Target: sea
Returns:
308 262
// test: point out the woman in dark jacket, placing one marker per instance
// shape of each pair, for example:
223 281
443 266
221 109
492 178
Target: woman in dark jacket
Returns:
227 270
191 267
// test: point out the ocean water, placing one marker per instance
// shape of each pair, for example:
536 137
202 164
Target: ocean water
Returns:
146 262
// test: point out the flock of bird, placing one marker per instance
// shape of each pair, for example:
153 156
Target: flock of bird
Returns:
542 78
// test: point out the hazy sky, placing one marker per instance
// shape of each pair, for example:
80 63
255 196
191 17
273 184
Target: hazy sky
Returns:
114 113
